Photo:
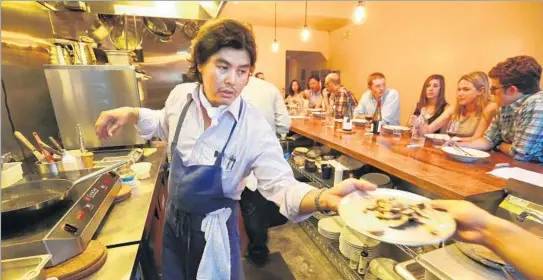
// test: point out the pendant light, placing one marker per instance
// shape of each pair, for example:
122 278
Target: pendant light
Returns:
305 31
275 44
359 15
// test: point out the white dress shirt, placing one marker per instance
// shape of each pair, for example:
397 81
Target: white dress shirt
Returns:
254 147
267 99
390 106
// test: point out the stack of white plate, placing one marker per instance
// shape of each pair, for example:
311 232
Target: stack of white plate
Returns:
330 227
352 243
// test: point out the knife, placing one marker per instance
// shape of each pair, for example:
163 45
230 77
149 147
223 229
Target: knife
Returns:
47 154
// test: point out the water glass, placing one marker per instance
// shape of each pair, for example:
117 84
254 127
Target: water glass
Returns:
397 134
368 126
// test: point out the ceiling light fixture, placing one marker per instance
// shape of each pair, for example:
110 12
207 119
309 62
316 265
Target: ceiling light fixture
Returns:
305 31
275 44
359 15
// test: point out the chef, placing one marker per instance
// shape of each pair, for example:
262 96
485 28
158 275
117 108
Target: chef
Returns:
216 139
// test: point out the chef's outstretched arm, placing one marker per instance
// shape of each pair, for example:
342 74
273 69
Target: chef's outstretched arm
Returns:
276 182
149 122
328 199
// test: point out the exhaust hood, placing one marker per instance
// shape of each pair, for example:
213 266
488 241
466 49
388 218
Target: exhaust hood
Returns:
200 10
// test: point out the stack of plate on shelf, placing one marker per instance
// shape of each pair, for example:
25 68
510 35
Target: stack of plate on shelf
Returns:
319 215
352 243
330 227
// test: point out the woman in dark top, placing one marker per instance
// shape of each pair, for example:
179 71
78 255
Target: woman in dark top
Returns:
432 100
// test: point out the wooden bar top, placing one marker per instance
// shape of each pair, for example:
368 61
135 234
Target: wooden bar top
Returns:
427 167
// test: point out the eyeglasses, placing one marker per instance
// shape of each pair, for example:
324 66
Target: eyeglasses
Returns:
493 89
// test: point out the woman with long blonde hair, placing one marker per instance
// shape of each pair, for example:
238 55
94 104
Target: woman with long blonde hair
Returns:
474 108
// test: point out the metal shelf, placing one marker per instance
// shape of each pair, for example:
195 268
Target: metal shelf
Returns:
313 177
330 249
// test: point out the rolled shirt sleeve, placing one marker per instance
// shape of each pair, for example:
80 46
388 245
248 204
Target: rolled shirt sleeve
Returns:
492 133
526 144
276 180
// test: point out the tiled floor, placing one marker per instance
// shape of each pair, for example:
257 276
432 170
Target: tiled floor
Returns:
301 254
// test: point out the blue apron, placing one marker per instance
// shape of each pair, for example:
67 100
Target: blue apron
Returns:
193 192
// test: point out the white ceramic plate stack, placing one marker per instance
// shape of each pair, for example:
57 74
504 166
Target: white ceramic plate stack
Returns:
330 227
352 243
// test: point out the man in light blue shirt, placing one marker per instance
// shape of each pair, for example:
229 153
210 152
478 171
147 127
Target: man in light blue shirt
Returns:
390 100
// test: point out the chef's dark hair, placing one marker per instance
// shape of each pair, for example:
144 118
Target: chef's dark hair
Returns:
215 35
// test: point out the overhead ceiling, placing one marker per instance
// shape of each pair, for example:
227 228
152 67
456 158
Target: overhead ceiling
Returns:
321 15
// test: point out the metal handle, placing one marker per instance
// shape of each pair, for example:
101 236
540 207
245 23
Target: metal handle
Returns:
100 172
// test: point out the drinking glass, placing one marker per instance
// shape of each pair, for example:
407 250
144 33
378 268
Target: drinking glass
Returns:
453 129
397 134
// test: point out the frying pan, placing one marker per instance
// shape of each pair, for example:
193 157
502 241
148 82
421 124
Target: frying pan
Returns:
36 195
163 28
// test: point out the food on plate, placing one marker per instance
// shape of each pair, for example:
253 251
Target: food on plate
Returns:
398 214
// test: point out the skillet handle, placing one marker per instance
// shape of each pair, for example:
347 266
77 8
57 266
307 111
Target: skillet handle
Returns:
100 172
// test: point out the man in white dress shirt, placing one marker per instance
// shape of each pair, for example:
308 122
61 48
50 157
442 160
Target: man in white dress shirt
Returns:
258 213
216 140
378 92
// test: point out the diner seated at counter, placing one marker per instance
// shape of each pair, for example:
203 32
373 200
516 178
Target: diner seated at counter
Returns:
379 93
473 111
517 129
340 96
432 103
295 96
314 93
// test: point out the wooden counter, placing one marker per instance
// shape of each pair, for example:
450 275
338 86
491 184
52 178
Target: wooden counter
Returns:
427 167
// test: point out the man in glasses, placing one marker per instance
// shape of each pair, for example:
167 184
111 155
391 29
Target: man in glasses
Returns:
517 129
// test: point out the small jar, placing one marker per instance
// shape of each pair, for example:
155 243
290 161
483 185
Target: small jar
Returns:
310 165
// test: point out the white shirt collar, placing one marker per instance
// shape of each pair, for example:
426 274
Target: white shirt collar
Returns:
215 113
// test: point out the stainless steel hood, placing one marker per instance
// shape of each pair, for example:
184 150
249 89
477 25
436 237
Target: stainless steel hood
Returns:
201 10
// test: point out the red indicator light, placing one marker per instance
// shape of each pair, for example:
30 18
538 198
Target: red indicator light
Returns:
80 215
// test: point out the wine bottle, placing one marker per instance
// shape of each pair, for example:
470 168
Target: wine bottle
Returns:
348 118
377 119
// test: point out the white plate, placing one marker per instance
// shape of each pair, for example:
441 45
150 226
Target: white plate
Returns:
460 156
352 206
392 127
441 136
314 109
359 121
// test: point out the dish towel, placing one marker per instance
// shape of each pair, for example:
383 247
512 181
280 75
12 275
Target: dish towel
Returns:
215 263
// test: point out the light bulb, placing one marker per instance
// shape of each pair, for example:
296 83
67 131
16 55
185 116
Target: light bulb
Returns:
275 46
359 15
305 34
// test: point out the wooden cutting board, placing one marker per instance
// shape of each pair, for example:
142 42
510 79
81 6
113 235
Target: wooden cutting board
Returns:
82 265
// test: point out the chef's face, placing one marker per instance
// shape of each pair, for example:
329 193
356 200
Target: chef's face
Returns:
225 74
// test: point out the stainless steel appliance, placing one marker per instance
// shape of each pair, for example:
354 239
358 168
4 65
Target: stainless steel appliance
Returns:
81 92
65 230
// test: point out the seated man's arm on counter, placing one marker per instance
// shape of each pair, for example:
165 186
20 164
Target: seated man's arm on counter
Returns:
518 247
491 138
527 141
361 108
391 108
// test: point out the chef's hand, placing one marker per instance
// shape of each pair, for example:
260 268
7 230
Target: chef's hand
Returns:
333 196
110 121
472 221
